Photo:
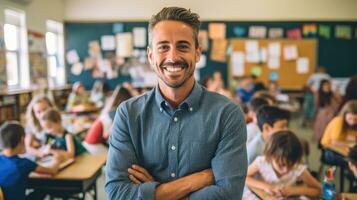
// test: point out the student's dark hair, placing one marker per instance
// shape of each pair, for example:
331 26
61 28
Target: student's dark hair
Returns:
52 115
270 114
10 134
324 98
177 14
351 89
352 155
284 147
257 103
349 107
119 95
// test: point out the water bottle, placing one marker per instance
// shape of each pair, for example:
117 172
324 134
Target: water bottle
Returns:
328 186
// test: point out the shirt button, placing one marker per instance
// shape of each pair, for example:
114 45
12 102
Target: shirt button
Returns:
160 109
173 148
175 119
191 109
173 175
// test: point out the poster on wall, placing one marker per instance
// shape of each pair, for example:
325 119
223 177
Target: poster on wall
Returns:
2 59
37 58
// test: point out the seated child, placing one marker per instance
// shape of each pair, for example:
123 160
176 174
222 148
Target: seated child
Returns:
78 97
62 143
14 171
252 127
279 168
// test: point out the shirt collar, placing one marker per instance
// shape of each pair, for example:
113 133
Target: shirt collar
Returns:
190 103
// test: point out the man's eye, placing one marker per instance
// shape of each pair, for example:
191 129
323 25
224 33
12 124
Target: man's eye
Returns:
163 47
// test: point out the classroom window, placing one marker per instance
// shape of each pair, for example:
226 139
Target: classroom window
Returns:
55 51
15 35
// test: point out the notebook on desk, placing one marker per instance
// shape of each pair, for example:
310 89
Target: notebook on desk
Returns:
47 161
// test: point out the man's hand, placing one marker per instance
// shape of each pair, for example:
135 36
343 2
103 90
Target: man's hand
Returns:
139 175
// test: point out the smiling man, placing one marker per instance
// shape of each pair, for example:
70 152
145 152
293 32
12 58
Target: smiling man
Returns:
178 141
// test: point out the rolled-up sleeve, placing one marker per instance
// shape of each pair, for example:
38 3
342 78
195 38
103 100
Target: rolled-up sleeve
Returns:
120 157
229 165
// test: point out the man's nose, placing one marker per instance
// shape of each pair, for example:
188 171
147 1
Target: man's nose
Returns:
172 55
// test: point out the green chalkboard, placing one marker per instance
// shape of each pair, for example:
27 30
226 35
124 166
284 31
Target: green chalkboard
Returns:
338 56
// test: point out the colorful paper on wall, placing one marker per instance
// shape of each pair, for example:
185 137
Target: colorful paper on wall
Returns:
276 33
108 42
263 54
239 31
118 27
294 34
237 60
124 44
256 70
203 39
343 32
302 65
139 36
218 52
217 30
290 52
257 32
309 29
325 31
251 46
72 56
273 76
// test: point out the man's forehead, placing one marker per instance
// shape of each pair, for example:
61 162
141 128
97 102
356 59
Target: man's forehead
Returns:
172 30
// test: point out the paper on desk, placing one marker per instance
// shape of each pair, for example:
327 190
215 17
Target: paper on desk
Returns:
124 44
257 31
302 65
108 42
237 59
72 56
139 36
290 52
217 30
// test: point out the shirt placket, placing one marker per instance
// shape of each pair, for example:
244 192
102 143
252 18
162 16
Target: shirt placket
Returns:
173 144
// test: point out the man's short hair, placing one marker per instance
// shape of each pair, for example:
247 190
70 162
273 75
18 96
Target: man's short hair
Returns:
11 134
177 14
270 114
256 103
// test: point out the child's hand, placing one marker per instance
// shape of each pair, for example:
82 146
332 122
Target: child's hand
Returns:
287 191
273 190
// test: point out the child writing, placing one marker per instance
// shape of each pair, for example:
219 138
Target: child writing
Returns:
78 97
61 142
280 169
14 171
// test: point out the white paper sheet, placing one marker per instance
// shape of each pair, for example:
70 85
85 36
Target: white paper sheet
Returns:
139 36
251 46
124 44
302 65
77 68
108 42
274 49
257 32
237 63
263 54
252 57
72 57
274 62
202 63
290 52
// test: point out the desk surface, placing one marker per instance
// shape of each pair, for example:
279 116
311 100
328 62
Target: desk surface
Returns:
349 196
262 194
84 167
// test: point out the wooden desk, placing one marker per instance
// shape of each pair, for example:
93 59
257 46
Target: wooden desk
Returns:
79 177
262 194
349 196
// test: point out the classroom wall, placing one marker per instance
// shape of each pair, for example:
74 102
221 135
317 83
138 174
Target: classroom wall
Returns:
265 10
37 12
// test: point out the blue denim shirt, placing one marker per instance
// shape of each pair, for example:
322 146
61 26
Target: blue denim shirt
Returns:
206 131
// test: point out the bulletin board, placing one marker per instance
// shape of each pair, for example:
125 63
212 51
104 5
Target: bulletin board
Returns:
288 77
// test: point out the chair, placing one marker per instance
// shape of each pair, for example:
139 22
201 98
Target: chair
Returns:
1 195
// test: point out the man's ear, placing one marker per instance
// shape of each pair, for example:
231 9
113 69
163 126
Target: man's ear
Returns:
149 53
198 52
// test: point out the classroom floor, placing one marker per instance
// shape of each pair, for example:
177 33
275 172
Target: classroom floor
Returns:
295 125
